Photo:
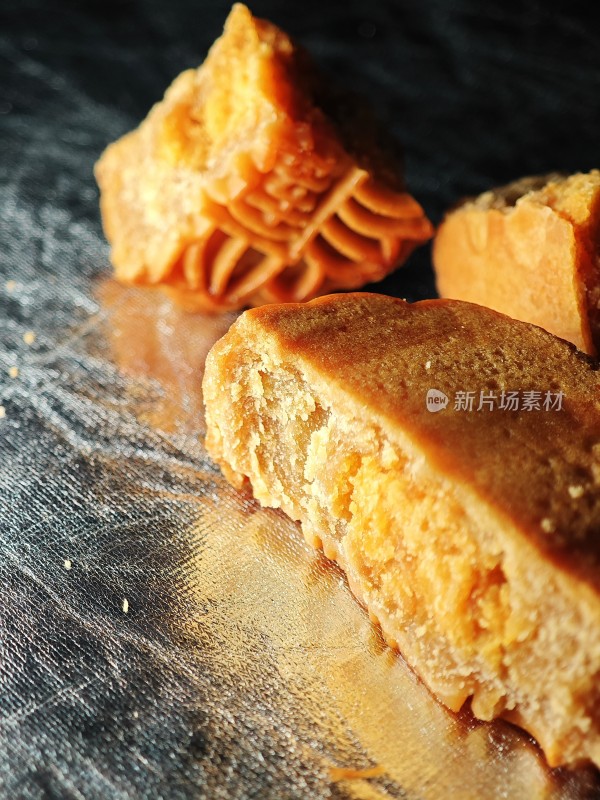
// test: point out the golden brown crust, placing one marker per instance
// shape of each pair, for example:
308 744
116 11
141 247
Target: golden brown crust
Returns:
470 536
238 189
531 250
376 348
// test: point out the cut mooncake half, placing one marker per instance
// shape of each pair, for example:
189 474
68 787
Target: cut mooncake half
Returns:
251 182
448 458
531 250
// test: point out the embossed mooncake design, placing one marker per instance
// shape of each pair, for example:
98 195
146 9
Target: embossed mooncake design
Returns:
239 190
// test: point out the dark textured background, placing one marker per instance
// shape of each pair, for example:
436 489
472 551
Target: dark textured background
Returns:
479 93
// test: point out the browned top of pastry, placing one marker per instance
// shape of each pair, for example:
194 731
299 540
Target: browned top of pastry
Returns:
571 195
538 468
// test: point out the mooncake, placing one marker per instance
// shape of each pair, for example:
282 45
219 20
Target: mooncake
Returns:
466 523
253 182
531 250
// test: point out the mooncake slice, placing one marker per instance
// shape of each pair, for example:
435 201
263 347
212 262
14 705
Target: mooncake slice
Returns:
448 458
252 182
531 250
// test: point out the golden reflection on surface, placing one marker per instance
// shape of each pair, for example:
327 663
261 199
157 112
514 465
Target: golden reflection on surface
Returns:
298 606
260 595
150 337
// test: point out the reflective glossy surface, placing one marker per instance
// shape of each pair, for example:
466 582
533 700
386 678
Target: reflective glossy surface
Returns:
243 664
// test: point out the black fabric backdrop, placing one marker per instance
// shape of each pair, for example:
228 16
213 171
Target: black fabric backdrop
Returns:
479 93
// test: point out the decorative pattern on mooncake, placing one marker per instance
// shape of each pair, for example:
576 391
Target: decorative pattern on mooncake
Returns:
238 189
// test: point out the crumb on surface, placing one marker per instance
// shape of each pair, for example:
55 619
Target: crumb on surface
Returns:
29 337
548 525
576 491
68 563
428 365
10 286
2 412
13 372
125 605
